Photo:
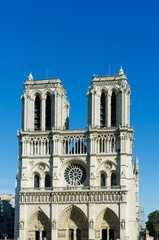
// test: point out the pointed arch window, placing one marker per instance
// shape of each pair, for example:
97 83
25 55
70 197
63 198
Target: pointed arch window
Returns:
113 179
102 180
48 113
102 110
113 109
36 181
47 181
37 113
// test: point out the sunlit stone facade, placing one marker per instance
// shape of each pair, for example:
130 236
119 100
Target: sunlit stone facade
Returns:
76 184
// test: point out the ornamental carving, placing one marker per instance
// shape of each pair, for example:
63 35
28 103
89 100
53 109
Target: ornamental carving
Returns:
41 167
61 233
21 225
97 233
99 160
92 175
108 166
62 159
122 224
31 162
54 224
91 224
75 174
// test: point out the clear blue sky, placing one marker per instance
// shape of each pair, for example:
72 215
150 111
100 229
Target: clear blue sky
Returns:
73 40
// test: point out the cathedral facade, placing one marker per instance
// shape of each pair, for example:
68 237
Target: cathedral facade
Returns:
76 184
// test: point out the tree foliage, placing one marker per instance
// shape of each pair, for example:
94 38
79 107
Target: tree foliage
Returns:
151 223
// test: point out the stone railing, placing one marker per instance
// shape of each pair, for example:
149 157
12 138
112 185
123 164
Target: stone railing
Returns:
40 146
107 143
71 142
36 146
71 188
74 144
109 196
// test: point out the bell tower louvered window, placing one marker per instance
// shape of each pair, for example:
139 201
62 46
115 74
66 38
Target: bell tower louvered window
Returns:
48 113
113 109
37 113
102 110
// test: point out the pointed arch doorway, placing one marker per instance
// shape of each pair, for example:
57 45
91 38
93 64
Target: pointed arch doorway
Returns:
73 225
39 226
108 225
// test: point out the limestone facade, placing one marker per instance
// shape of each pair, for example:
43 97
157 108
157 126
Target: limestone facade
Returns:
76 184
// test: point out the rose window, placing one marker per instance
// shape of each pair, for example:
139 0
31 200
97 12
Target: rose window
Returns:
75 174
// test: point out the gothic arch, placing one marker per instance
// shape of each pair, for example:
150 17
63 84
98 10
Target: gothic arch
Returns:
102 89
102 178
47 92
36 168
107 218
113 89
107 222
114 172
39 221
72 217
36 93
102 165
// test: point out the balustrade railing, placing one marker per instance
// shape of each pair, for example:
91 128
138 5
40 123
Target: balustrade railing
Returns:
71 188
107 143
70 143
74 144
40 146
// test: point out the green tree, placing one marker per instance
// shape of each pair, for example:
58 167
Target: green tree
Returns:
151 223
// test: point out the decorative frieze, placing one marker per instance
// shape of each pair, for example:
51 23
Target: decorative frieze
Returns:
73 197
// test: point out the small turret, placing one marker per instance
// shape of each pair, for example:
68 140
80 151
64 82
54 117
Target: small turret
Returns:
121 72
30 77
136 165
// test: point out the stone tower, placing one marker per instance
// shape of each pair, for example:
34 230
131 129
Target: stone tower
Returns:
76 184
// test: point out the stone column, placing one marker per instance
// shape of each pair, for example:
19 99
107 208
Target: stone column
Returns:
122 217
74 234
54 217
22 222
108 232
40 235
91 221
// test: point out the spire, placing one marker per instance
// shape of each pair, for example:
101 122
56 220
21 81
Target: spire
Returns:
30 77
136 166
121 72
